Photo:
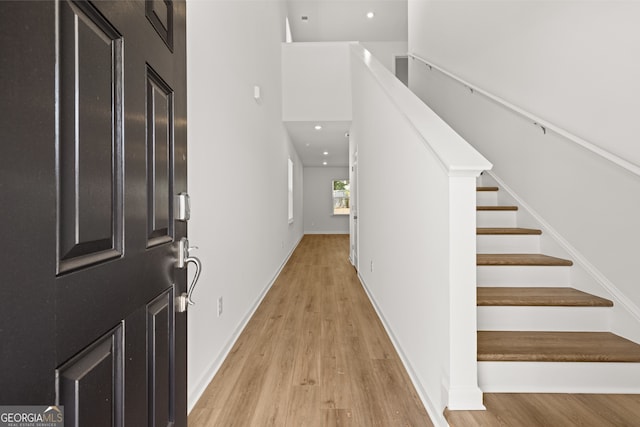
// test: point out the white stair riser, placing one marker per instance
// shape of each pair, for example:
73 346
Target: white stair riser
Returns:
569 319
487 198
559 377
522 276
496 218
502 244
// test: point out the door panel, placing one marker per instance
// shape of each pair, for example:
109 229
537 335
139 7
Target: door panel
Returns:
161 360
160 14
91 384
159 118
90 139
94 104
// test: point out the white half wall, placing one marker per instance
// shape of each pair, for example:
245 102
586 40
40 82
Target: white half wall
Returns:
237 157
416 234
318 201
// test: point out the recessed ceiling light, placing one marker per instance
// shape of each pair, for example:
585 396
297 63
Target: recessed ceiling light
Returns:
325 153
317 127
370 15
324 163
307 144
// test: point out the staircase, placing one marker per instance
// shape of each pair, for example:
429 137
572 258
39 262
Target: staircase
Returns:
536 333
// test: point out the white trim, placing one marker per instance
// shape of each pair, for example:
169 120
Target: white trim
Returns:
437 416
577 257
327 232
545 125
215 365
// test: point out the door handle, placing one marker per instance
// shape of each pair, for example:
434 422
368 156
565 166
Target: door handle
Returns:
184 300
196 261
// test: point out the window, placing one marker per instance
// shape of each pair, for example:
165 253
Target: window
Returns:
340 196
290 188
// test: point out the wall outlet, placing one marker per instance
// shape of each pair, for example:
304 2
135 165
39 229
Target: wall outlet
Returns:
372 266
219 306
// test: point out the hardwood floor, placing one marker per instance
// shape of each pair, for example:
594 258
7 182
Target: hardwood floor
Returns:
551 410
314 354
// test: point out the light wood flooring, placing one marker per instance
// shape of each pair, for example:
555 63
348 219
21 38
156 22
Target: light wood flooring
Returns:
314 354
551 410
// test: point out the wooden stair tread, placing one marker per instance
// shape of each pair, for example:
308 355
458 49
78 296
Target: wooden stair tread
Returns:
486 188
521 259
507 231
527 346
496 208
538 297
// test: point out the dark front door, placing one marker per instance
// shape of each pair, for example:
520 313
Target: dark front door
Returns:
93 154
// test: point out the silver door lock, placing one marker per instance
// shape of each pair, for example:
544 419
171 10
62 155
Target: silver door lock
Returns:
183 207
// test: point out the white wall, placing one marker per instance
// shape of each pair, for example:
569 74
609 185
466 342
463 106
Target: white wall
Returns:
573 63
385 52
237 158
318 201
570 63
315 82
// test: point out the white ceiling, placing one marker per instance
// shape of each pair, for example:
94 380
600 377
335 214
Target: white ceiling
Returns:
339 20
346 20
311 144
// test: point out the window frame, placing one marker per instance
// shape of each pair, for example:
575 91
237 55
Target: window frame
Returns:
290 168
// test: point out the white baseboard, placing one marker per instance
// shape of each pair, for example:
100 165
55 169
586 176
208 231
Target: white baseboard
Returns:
210 372
437 416
327 232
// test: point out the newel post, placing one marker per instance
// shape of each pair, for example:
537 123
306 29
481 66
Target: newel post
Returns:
463 390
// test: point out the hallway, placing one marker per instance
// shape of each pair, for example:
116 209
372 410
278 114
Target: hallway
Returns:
314 354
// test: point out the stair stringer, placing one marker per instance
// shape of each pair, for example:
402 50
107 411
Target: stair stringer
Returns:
624 318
